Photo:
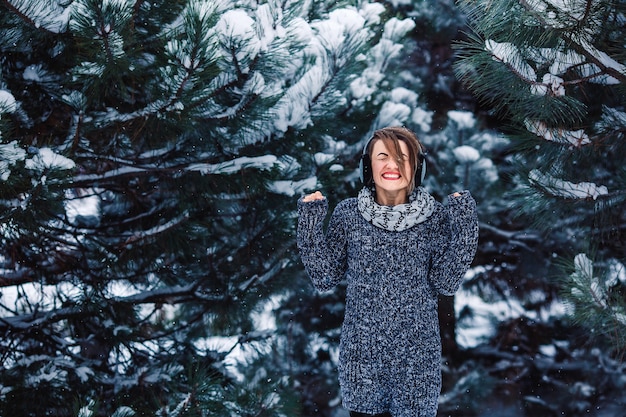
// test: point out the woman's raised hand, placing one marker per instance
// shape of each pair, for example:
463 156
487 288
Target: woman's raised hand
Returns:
313 197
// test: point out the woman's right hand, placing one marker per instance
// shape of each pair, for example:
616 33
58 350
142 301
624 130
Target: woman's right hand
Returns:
313 197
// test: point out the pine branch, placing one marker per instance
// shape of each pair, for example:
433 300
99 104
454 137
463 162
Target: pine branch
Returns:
136 236
38 319
15 278
515 238
37 14
168 295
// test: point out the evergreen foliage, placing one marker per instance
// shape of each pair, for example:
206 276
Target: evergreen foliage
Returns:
150 156
556 73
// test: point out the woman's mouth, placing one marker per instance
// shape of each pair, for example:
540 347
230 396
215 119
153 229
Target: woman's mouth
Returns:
390 176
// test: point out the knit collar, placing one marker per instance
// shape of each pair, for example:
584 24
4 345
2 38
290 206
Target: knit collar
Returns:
396 218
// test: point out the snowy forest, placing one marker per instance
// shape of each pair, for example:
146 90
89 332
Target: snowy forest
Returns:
152 154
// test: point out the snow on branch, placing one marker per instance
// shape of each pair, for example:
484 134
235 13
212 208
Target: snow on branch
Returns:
566 189
510 55
119 172
170 295
591 289
238 39
378 59
396 29
584 279
46 159
30 321
612 119
10 154
157 229
291 188
105 25
343 32
569 16
551 84
264 162
576 51
51 16
614 72
558 14
8 104
576 138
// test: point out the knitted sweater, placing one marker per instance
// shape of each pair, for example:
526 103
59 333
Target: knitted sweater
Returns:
390 346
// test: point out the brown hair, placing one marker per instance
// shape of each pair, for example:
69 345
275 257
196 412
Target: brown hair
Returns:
391 137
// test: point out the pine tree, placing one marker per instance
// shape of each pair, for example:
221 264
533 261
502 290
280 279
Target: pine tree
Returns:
150 154
555 73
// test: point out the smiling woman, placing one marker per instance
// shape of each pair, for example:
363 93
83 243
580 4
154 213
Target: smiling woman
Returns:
392 172
397 249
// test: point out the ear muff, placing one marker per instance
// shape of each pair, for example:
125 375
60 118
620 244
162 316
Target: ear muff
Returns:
365 167
420 172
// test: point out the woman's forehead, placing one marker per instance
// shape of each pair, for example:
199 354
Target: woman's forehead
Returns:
381 146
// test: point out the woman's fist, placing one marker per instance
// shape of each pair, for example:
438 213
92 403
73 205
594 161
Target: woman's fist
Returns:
312 197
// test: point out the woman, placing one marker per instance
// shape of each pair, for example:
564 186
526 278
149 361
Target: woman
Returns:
397 249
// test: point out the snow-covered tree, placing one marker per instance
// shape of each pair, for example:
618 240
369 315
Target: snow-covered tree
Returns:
555 73
150 153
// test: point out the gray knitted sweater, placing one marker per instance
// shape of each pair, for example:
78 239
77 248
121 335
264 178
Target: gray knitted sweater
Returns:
390 347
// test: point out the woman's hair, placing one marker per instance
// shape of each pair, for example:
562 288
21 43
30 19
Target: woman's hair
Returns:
391 137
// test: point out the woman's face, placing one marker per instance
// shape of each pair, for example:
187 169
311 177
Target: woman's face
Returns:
386 169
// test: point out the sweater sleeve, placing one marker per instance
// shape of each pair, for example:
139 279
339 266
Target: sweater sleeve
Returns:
458 245
323 254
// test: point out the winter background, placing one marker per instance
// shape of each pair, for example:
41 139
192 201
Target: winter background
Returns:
151 155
